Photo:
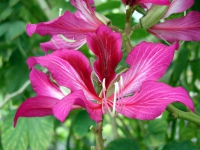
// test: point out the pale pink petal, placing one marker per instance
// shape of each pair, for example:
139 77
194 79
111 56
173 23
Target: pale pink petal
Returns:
186 28
43 86
134 2
36 107
152 100
86 11
148 61
58 42
106 45
68 68
63 107
178 6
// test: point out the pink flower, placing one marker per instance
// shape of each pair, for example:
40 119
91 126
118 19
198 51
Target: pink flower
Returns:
186 28
69 30
135 2
134 93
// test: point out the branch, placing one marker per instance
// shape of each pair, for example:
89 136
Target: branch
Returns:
8 97
98 135
189 116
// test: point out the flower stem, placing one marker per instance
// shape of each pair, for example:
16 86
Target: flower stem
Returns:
98 136
189 116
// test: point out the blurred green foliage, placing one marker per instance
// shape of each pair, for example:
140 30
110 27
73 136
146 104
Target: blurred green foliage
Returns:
48 133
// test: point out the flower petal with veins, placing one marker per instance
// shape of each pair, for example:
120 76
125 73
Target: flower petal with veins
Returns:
186 28
152 100
148 61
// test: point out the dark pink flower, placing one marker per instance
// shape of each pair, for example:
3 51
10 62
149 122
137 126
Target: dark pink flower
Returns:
69 30
186 28
134 93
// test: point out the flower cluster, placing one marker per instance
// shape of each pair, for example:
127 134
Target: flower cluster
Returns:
134 92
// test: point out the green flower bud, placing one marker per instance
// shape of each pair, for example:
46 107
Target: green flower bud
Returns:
154 14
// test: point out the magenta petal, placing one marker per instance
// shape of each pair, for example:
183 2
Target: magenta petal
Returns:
68 25
43 86
63 107
36 107
70 69
58 42
106 45
178 6
186 28
94 110
152 100
148 61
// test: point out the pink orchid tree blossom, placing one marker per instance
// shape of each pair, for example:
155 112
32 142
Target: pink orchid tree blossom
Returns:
69 30
186 28
135 93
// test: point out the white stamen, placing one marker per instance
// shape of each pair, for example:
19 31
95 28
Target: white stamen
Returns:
121 82
104 84
185 13
60 11
115 98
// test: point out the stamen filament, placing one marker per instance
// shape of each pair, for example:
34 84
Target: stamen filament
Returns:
60 11
115 98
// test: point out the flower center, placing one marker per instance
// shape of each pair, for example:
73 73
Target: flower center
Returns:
118 96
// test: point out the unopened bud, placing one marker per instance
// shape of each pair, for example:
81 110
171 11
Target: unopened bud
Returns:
154 14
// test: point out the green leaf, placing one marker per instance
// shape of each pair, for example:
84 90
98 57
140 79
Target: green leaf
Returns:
123 144
182 145
3 28
15 29
82 123
13 2
179 65
117 19
6 13
40 132
14 138
36 132
108 6
156 133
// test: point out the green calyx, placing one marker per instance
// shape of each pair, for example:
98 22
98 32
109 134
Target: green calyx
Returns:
154 14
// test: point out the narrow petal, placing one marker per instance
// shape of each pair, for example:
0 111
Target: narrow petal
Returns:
70 69
178 6
148 61
36 107
59 42
106 45
43 86
134 2
186 28
152 100
63 107
68 25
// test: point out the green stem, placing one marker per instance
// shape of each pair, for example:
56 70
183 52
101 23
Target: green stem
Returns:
98 135
189 116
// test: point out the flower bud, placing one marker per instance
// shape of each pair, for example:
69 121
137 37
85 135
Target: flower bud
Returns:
154 14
